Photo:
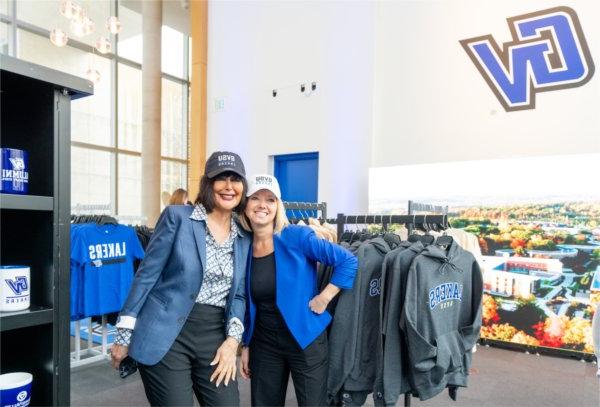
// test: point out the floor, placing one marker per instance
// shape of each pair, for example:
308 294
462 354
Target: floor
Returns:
499 377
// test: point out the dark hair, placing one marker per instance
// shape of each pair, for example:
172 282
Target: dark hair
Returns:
206 193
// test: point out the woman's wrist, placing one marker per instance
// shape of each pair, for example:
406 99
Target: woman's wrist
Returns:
232 342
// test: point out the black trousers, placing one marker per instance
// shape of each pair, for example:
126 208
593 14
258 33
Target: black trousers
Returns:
274 354
185 370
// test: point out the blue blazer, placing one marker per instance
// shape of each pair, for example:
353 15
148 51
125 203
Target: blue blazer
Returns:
168 281
297 249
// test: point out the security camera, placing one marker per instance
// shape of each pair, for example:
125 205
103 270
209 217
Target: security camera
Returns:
302 88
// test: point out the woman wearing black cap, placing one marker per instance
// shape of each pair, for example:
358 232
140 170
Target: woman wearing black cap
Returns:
183 319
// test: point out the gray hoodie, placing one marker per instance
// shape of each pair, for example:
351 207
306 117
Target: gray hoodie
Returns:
353 339
392 374
441 317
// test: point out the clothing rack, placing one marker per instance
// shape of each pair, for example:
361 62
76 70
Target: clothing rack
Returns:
80 209
307 206
385 220
424 207
79 213
131 220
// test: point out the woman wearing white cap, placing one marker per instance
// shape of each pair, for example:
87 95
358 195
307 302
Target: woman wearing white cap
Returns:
287 319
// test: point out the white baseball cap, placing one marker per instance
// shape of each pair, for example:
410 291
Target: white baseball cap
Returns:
263 181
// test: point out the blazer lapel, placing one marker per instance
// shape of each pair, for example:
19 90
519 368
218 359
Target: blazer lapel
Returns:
200 237
240 258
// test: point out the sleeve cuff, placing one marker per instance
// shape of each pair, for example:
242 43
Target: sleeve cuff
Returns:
235 329
123 337
126 322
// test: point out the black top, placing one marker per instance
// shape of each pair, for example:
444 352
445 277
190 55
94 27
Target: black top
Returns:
263 288
263 279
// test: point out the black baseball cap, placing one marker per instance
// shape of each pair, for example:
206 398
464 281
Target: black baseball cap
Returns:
222 161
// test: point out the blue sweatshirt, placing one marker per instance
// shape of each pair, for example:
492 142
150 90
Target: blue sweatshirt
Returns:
297 249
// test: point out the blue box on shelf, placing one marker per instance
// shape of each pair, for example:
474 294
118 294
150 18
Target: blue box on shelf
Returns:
15 171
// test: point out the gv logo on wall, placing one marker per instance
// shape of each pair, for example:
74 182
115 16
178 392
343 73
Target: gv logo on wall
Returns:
548 52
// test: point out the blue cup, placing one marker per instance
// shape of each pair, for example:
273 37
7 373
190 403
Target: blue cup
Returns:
15 389
15 171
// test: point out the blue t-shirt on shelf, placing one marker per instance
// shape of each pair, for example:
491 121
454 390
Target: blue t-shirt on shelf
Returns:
102 259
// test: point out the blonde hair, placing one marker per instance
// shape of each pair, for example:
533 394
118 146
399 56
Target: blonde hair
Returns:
179 197
280 222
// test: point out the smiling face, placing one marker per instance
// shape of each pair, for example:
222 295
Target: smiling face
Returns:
227 191
261 208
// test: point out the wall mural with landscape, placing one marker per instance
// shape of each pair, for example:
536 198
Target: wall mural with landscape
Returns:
538 224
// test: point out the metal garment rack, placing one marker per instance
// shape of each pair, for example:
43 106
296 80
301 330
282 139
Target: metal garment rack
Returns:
385 220
92 353
424 207
307 206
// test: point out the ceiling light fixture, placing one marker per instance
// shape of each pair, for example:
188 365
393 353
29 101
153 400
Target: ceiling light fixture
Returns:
93 75
58 37
113 25
103 45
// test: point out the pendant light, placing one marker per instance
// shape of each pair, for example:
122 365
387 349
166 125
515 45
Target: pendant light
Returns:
113 25
103 45
93 75
58 37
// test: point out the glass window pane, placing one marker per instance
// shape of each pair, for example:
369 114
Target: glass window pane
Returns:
130 37
46 14
4 38
130 185
90 176
90 116
4 7
172 51
173 175
174 129
130 108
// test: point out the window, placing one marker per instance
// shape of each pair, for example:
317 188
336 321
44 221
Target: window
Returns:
130 108
106 128
90 176
4 38
173 176
90 116
4 7
130 37
174 123
173 59
130 185
46 14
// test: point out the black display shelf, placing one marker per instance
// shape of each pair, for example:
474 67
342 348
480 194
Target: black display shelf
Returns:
35 315
26 202
35 228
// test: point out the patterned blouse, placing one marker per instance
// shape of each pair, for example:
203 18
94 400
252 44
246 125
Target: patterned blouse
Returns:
217 279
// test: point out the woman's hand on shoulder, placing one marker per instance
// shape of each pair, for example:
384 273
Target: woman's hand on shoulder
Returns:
225 359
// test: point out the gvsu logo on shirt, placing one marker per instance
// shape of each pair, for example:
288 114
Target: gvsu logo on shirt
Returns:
18 285
547 52
375 287
444 294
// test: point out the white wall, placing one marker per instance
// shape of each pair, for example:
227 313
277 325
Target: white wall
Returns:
395 88
255 47
432 105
